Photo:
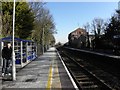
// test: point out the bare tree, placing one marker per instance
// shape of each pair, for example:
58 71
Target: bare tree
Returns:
98 26
43 20
87 28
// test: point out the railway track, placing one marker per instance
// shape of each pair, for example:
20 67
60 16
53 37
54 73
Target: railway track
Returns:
87 76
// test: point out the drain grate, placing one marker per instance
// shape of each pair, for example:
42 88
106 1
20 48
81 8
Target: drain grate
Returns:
30 80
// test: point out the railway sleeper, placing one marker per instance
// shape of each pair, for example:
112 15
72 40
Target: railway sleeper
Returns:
92 87
83 79
80 76
87 83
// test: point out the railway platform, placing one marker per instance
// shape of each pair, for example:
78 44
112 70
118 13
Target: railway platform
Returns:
48 71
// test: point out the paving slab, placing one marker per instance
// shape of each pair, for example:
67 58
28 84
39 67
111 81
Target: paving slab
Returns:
45 72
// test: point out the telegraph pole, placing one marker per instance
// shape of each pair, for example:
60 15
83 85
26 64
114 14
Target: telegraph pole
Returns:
43 39
1 62
13 52
0 18
119 5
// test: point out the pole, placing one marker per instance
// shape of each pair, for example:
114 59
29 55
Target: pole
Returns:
1 44
13 52
43 39
0 18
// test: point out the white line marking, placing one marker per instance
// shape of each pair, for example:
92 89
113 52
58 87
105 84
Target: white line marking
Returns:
74 84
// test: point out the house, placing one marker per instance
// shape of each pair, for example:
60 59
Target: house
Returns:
77 38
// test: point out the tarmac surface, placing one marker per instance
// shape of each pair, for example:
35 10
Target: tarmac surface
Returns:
45 72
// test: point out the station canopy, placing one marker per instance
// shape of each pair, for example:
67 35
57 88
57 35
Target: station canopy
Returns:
16 39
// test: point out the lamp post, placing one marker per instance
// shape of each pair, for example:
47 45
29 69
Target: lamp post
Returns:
13 52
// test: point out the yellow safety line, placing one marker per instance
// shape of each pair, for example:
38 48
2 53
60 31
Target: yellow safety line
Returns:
56 81
49 79
57 72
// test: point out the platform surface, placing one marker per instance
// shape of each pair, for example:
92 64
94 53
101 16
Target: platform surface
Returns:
46 72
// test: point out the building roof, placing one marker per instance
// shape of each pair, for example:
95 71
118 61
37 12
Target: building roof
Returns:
16 39
79 31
